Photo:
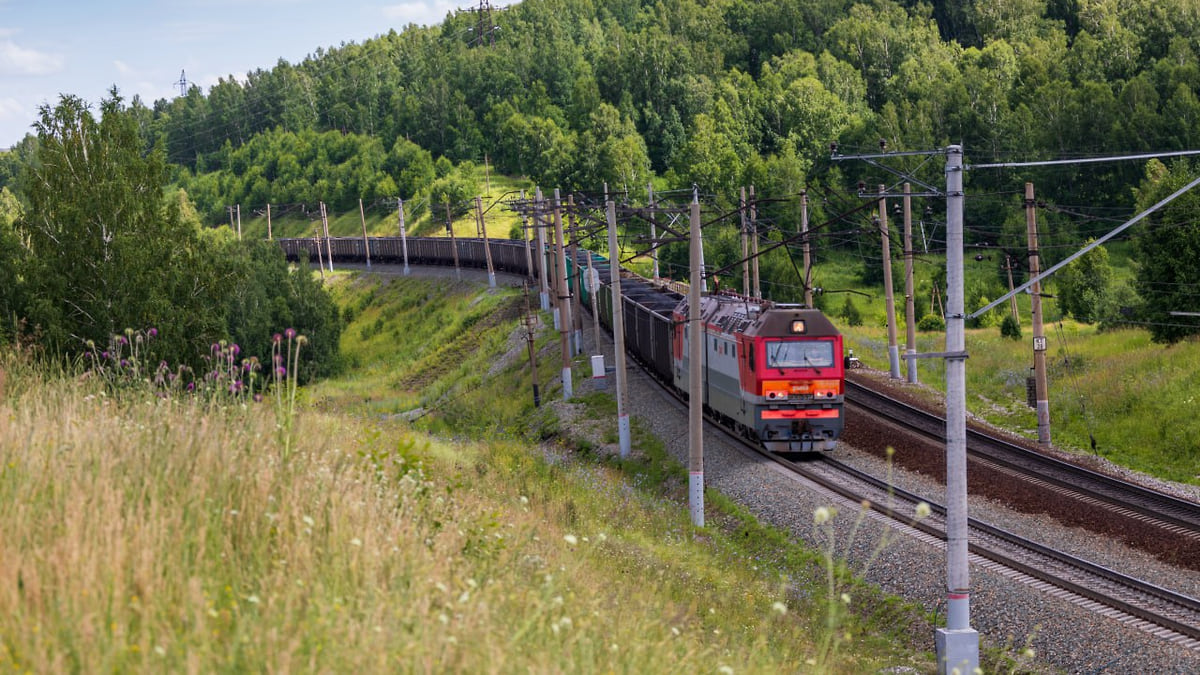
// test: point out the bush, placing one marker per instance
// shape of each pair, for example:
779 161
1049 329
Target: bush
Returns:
850 313
1010 327
931 323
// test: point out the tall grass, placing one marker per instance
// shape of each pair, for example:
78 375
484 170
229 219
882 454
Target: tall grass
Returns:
160 535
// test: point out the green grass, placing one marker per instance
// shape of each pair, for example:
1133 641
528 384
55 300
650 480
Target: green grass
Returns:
1137 399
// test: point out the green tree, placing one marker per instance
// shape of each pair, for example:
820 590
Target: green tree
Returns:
1168 244
1083 285
108 250
272 297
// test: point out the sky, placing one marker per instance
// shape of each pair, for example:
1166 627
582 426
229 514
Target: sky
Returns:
84 47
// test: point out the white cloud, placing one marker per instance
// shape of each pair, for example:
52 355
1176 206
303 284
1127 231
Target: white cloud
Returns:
420 13
123 68
17 60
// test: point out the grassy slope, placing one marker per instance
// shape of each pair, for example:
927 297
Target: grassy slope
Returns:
1139 400
159 535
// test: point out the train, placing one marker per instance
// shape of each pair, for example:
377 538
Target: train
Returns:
773 373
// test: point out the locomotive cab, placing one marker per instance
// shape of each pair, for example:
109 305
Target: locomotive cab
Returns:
773 372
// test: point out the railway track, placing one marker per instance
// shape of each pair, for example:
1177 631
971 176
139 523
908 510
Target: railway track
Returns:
1169 615
1175 516
1165 613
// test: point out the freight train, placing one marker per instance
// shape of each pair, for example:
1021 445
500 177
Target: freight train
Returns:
772 372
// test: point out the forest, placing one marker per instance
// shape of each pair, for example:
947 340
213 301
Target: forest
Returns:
718 94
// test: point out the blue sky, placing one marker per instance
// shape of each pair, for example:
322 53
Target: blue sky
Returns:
84 47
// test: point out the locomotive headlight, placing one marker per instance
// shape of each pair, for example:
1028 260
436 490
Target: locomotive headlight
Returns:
774 390
826 388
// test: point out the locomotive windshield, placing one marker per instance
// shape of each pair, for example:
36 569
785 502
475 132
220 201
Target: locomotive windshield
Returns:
800 354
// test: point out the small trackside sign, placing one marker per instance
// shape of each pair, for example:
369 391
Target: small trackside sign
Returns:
1039 343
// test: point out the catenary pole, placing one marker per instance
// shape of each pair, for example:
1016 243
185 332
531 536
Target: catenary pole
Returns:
746 289
531 337
1041 387
487 244
808 293
695 355
239 217
362 216
618 322
753 244
957 643
526 239
270 236
910 305
889 294
653 234
539 227
403 233
328 239
576 280
564 298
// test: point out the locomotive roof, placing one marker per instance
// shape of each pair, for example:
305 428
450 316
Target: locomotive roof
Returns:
759 318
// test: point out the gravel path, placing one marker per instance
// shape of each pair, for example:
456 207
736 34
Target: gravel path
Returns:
1005 612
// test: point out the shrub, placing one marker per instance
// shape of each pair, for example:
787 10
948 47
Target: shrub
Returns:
850 313
931 323
1010 327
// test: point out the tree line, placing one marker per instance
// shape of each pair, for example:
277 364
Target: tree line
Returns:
719 94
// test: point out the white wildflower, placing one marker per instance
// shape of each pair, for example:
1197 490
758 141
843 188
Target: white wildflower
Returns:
570 539
779 608
922 511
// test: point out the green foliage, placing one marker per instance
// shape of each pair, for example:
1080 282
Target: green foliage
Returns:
1167 248
1010 327
1083 286
272 297
931 323
107 250
850 313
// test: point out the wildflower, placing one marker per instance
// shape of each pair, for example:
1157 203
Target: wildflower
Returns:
258 398
922 510
356 542
570 539
725 670
277 338
308 520
822 515
1028 653
779 608
290 333
252 599
153 332
845 598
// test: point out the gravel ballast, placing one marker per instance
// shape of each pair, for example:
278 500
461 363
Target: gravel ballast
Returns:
1007 612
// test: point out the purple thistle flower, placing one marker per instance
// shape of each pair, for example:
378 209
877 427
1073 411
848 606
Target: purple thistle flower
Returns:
153 332
281 371
290 333
277 338
121 340
258 398
124 363
278 359
216 347
191 386
104 355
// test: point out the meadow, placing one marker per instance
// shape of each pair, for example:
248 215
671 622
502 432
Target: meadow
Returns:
174 533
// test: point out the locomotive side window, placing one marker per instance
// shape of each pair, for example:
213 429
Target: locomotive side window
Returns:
796 354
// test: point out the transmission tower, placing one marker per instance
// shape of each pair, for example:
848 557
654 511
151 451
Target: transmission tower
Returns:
485 31
183 83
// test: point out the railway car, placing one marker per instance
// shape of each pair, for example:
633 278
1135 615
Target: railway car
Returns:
772 372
